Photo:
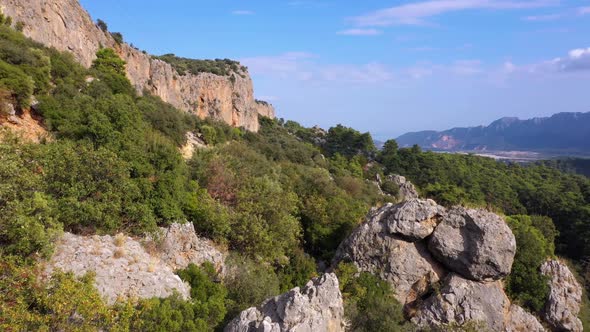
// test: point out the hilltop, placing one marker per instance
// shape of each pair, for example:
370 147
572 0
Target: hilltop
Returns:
561 134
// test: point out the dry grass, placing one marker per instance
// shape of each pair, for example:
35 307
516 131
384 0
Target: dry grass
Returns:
119 240
152 266
119 252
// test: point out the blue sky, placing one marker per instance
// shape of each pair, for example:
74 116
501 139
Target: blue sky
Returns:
387 67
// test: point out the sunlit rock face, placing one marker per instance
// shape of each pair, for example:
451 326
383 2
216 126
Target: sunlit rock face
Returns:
65 25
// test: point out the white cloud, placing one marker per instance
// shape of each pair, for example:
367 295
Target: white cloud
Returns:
360 32
243 12
304 66
584 10
543 18
417 13
577 60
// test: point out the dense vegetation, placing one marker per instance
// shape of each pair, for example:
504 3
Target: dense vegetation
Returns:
221 67
114 166
283 198
570 165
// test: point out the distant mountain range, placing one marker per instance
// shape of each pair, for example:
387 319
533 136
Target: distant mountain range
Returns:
562 133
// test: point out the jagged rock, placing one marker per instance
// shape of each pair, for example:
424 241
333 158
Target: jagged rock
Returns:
122 266
407 190
407 266
414 219
316 307
180 246
475 243
65 25
462 301
518 320
565 297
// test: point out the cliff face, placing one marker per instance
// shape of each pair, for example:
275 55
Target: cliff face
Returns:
65 25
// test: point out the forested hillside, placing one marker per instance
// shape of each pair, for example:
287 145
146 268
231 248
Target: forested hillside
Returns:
281 200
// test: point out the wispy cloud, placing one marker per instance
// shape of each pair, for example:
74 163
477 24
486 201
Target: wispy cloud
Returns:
243 12
576 61
305 66
360 32
417 13
543 18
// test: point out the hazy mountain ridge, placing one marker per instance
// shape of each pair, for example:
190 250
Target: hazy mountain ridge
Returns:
562 132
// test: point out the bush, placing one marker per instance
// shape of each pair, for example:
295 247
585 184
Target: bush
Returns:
219 67
249 283
27 223
208 295
118 37
15 80
369 304
525 284
102 25
64 303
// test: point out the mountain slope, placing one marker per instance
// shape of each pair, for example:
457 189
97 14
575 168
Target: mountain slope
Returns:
65 25
562 132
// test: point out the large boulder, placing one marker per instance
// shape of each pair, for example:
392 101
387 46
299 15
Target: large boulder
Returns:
414 219
475 243
406 189
565 297
374 248
463 301
316 307
122 267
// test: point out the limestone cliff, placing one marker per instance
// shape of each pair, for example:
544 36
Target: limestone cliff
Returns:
65 25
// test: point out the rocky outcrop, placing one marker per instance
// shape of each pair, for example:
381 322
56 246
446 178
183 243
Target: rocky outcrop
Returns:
475 243
443 265
128 268
180 246
378 248
123 269
265 109
65 25
565 297
518 320
316 307
461 301
407 190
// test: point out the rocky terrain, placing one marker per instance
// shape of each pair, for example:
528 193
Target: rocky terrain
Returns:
65 25
316 307
447 266
129 268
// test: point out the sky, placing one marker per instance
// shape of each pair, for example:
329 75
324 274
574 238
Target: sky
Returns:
388 67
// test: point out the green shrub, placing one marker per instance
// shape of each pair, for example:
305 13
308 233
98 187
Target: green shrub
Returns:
219 67
369 304
15 80
525 284
249 283
118 37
